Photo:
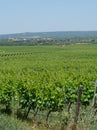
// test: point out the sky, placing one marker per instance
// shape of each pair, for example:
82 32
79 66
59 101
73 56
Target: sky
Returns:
18 16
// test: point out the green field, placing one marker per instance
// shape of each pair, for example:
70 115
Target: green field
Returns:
40 79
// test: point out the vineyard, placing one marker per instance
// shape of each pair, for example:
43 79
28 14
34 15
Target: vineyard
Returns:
44 80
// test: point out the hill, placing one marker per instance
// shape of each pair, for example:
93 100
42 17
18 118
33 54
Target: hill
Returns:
59 35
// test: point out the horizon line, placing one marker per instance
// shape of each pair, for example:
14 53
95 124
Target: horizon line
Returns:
48 32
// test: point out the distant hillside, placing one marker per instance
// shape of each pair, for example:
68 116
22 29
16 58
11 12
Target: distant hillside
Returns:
67 34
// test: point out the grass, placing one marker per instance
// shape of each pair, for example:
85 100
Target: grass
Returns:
57 121
9 123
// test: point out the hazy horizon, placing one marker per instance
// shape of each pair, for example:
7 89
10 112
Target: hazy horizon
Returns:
48 32
47 16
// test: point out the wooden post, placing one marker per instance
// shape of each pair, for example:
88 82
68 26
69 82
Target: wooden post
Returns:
94 100
77 108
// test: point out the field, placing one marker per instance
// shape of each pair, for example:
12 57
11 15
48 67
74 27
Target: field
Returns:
40 83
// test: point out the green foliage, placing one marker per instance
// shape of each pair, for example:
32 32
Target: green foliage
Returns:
46 77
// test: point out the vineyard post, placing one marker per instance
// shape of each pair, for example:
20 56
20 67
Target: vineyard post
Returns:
73 127
94 100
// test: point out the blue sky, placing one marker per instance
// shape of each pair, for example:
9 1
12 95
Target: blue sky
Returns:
47 15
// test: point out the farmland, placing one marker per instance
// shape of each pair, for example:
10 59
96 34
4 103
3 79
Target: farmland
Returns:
45 79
